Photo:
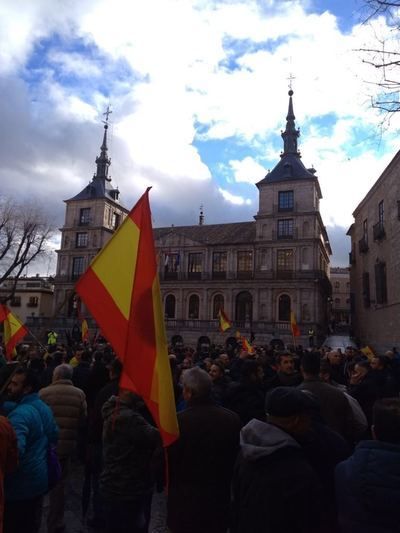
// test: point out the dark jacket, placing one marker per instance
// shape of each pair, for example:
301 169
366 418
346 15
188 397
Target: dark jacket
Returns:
200 468
247 400
334 407
275 490
129 443
368 489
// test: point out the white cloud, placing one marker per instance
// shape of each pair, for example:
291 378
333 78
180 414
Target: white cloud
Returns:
234 199
247 170
182 53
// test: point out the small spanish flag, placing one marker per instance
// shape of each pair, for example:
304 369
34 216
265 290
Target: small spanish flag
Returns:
367 351
294 326
14 330
85 330
224 322
246 346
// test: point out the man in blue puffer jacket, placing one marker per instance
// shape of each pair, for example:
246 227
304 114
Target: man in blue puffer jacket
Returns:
368 483
36 429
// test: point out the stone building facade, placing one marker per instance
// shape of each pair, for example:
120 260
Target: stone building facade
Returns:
33 297
257 271
340 300
375 262
91 217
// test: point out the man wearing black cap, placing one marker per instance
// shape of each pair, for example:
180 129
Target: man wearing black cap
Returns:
275 488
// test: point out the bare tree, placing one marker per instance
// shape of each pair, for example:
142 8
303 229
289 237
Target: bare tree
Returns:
24 234
385 56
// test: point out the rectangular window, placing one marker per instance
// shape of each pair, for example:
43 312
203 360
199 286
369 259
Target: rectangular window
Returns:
244 264
380 283
16 301
84 216
285 260
116 220
219 265
285 201
77 267
33 301
195 265
365 231
245 261
380 212
366 291
285 228
81 240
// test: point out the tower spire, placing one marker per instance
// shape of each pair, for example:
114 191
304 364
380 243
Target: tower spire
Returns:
291 134
103 162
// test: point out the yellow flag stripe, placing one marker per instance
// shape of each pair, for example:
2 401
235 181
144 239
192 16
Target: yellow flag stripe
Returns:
116 265
161 391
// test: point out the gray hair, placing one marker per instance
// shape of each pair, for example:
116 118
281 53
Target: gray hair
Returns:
198 382
63 371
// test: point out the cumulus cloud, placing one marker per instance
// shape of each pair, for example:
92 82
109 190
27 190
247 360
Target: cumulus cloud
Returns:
199 74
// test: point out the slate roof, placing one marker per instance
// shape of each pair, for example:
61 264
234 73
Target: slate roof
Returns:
97 188
290 167
213 234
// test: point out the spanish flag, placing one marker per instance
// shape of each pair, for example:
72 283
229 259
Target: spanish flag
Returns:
368 352
122 291
246 346
14 330
85 330
224 322
294 326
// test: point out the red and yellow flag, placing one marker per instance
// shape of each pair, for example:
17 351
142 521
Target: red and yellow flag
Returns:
14 330
122 291
293 324
224 322
246 346
85 330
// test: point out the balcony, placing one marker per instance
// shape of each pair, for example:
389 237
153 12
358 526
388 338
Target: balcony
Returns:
182 277
378 231
363 246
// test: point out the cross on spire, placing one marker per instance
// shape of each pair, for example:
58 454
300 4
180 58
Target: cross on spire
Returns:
290 79
107 114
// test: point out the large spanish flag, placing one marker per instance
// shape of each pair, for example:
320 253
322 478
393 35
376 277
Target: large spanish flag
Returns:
14 330
122 291
293 324
224 322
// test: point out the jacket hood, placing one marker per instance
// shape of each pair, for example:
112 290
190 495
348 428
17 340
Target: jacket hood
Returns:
376 471
115 405
260 439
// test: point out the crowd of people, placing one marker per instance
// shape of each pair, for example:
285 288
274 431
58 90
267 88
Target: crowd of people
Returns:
271 441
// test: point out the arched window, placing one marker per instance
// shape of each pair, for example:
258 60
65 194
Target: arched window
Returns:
244 306
284 308
218 303
194 306
170 304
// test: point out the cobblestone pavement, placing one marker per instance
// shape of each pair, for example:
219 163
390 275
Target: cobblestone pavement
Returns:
73 508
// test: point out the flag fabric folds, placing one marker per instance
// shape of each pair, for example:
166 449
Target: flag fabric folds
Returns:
293 324
246 346
122 291
14 330
85 330
224 322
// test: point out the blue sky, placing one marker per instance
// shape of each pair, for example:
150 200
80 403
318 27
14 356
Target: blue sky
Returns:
198 90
